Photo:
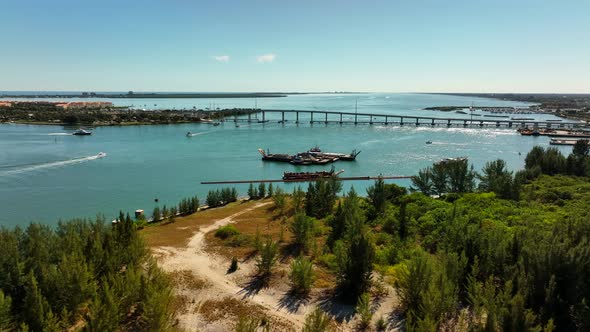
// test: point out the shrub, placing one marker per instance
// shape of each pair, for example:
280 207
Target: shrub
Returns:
302 276
267 258
363 309
316 321
226 232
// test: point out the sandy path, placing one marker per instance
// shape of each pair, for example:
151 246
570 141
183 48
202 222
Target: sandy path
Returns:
213 269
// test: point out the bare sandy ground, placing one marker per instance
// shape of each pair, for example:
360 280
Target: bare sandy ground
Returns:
286 312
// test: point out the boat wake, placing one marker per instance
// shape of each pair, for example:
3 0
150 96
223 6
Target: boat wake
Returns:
196 134
18 169
59 134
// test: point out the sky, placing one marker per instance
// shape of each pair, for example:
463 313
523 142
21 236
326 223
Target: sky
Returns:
306 46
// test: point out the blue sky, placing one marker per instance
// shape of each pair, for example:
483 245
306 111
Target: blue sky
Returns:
321 45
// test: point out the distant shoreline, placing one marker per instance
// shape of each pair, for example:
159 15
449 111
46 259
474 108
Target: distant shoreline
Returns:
164 95
141 95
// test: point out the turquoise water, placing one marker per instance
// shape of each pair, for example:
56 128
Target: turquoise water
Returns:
46 174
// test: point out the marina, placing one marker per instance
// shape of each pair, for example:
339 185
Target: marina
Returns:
554 133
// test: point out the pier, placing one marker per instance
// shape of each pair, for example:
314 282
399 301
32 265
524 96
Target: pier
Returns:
349 178
333 117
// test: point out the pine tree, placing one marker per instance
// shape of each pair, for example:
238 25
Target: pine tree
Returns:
261 190
156 216
376 195
267 258
270 190
302 228
6 319
35 307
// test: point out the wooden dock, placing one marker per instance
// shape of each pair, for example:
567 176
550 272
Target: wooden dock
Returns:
333 117
349 178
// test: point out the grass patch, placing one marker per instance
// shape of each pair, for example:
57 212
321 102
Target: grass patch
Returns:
179 233
229 307
188 280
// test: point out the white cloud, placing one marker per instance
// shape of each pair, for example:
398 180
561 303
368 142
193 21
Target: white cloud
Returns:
266 58
221 58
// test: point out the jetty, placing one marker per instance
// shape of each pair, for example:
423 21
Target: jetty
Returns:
350 178
333 117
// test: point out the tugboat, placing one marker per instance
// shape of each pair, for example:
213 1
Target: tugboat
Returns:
82 132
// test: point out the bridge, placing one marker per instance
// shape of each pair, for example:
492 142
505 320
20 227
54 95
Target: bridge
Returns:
333 117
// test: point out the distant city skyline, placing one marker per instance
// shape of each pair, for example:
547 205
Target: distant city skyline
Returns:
524 46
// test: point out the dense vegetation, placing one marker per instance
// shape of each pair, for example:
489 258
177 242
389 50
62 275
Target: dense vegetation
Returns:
481 251
82 276
47 112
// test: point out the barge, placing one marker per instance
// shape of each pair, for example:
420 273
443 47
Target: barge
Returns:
313 156
307 176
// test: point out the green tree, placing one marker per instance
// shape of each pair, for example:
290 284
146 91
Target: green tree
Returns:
252 192
461 177
298 197
439 177
271 191
354 258
104 314
413 281
363 309
261 190
267 258
279 198
377 195
6 319
317 321
36 308
156 216
302 228
423 181
302 275
496 178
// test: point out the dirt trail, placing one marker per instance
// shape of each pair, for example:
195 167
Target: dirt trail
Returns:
213 269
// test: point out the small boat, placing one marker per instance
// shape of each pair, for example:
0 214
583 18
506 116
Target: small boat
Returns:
428 142
101 155
189 134
82 132
216 124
